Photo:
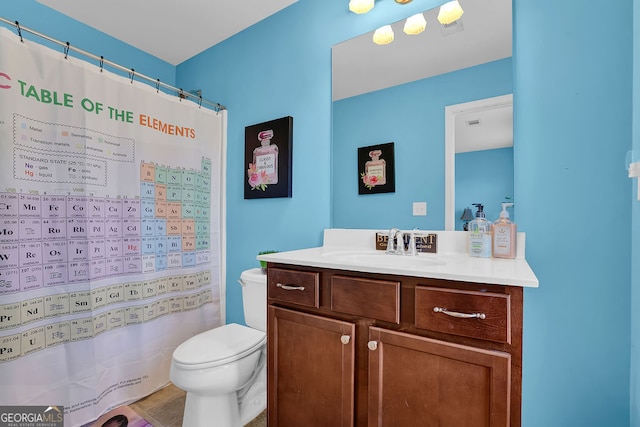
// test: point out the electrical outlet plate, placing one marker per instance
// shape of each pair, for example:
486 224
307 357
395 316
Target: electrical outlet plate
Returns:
419 208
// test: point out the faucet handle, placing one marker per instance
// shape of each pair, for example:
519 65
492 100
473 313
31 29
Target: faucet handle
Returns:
412 245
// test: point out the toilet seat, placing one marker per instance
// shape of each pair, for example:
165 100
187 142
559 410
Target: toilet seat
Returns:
218 346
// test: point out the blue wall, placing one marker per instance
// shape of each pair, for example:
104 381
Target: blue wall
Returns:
484 177
572 127
573 90
412 116
33 15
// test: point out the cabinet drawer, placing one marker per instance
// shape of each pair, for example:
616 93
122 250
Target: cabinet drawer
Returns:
298 287
483 315
372 299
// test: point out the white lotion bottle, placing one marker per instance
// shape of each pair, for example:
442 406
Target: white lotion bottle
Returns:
480 234
504 234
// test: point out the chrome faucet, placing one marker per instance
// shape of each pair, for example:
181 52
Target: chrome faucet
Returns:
395 242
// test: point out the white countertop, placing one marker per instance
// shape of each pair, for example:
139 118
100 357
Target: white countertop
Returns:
354 250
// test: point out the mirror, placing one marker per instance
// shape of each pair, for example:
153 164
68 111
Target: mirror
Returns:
475 50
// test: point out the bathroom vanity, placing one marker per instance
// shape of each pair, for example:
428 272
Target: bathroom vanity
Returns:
358 337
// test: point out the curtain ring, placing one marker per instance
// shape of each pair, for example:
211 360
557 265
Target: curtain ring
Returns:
158 86
66 50
200 101
132 74
101 63
181 95
19 31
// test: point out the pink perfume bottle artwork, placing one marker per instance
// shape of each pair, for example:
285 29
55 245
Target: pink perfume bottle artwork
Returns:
264 169
375 170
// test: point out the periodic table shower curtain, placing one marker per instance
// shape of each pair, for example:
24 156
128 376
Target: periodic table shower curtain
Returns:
110 230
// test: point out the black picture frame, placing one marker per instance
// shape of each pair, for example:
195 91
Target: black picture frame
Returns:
268 159
376 169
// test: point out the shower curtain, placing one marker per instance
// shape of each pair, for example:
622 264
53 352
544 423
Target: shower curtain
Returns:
110 231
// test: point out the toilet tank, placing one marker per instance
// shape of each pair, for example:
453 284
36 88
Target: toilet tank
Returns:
254 298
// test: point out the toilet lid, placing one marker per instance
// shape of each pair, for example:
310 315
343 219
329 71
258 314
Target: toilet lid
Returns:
218 346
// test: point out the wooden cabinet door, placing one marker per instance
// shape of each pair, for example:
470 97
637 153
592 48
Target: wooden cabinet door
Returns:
311 370
417 381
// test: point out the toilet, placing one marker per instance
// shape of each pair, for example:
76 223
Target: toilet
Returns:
223 370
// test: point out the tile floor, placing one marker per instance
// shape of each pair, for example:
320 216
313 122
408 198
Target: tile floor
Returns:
164 408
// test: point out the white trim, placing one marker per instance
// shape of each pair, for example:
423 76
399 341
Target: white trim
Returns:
450 112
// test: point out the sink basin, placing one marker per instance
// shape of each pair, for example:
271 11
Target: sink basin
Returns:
379 258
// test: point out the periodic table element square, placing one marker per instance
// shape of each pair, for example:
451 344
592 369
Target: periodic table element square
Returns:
131 227
174 210
115 319
147 190
188 209
78 250
176 304
161 209
115 293
161 262
54 251
188 226
77 228
9 205
9 231
54 229
113 227
205 166
174 193
161 174
114 266
30 253
9 282
96 207
54 274
114 248
9 256
163 285
174 244
98 297
56 305
97 249
77 206
163 307
97 228
57 333
132 264
161 192
189 179
30 229
148 263
148 227
174 260
97 269
148 208
33 340
81 329
161 245
78 272
100 323
189 259
174 227
53 206
161 227
32 310
133 291
203 257
131 246
147 172
114 208
29 206
148 245
131 208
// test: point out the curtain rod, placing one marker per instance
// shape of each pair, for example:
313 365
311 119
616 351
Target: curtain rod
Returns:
132 73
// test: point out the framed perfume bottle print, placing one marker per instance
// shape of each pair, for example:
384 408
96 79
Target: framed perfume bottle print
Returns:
376 169
267 159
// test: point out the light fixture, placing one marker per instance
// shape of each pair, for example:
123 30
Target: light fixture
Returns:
361 6
415 24
383 35
450 12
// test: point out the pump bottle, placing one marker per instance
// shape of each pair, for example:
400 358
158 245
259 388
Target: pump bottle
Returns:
504 234
480 234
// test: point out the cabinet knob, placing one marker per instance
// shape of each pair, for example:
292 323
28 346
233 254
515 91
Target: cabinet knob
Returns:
345 339
373 345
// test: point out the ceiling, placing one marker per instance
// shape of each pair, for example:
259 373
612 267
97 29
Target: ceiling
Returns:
172 30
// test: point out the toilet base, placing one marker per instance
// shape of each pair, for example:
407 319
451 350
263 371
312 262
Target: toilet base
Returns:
205 411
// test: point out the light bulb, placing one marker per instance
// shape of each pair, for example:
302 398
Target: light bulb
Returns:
450 12
361 6
383 35
415 24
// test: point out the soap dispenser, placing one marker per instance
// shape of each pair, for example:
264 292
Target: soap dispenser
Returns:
480 234
504 235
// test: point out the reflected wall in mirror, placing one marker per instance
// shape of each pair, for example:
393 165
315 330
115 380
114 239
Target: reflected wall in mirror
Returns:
395 93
